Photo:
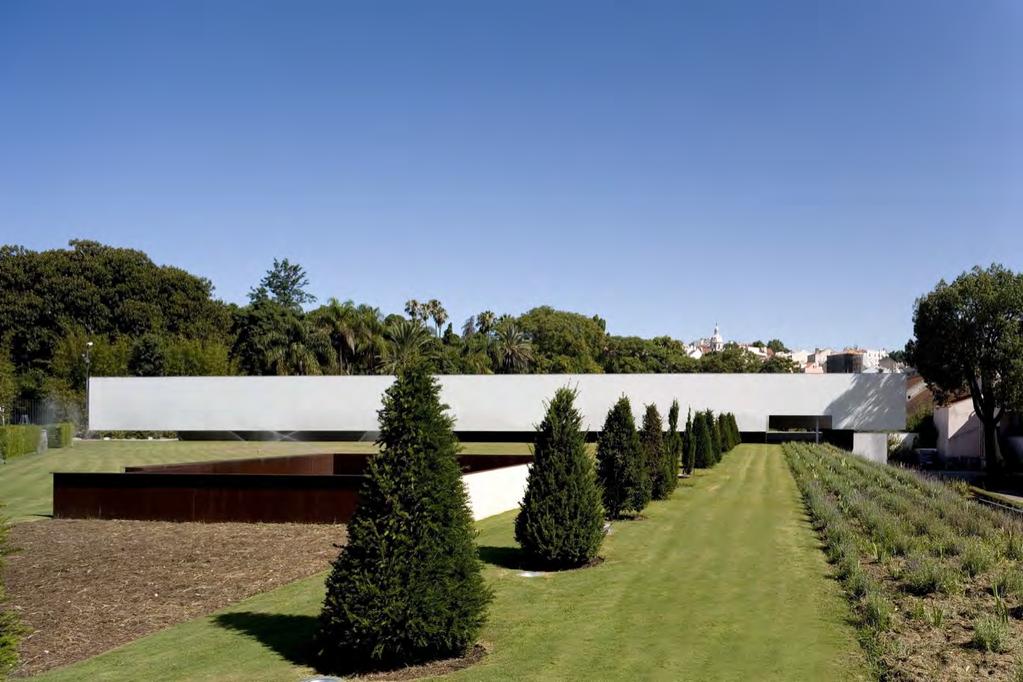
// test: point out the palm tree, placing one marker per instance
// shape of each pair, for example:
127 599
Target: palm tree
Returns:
297 348
414 309
408 341
476 359
371 343
435 310
511 348
485 321
340 321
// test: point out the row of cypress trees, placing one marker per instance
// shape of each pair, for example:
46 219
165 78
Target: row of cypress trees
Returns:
707 438
407 586
561 519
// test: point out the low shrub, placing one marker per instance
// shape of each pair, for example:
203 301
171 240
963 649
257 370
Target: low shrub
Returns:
990 634
1013 546
60 435
934 615
945 544
924 575
858 584
18 440
1008 583
877 612
976 558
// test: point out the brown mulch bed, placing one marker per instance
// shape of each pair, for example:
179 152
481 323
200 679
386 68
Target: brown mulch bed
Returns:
83 586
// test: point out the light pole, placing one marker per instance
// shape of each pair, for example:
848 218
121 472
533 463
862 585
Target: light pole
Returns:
88 363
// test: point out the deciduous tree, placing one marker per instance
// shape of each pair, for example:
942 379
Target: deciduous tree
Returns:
968 338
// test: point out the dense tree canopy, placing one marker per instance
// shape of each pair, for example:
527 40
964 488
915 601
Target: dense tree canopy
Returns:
968 338
145 319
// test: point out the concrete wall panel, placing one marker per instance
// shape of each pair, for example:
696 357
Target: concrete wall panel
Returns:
867 402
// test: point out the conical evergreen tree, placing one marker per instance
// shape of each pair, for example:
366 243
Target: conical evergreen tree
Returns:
655 453
407 587
689 444
674 446
736 436
726 433
715 435
702 442
620 469
561 520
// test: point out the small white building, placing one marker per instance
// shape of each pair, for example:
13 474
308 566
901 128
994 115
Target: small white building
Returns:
960 433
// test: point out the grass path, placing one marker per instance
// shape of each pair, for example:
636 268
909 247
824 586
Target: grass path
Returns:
722 582
26 486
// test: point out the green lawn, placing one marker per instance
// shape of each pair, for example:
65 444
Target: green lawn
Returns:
723 582
26 487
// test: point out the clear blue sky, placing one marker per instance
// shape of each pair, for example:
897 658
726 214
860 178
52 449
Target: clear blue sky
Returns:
801 170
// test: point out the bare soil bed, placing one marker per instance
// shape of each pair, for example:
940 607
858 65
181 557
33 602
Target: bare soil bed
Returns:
83 586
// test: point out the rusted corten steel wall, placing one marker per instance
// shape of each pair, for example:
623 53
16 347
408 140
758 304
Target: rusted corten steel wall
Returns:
299 489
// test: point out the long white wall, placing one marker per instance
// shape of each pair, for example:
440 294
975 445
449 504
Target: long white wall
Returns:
861 402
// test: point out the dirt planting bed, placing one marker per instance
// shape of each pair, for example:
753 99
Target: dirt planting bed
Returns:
84 586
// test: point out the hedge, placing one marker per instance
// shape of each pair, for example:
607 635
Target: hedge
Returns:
60 435
19 440
10 628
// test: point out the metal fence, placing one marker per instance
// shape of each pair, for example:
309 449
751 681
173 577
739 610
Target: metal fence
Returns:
29 412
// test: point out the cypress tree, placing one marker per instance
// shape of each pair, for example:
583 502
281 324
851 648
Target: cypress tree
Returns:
620 469
689 445
715 435
736 436
655 453
407 587
726 433
674 447
704 457
561 520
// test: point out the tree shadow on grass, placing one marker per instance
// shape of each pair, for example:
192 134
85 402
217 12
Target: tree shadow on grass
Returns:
504 557
517 560
290 636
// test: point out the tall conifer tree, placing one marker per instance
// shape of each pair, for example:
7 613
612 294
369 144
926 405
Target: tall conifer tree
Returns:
561 520
655 453
689 444
703 444
620 468
407 587
674 447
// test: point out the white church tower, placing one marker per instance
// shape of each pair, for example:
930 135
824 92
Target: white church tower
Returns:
717 343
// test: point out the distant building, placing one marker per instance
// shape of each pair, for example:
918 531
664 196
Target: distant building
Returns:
716 342
849 361
872 359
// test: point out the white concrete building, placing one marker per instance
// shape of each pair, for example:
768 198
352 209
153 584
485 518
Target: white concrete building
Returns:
481 404
960 433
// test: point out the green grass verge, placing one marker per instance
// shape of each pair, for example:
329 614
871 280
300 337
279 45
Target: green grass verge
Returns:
724 581
26 486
